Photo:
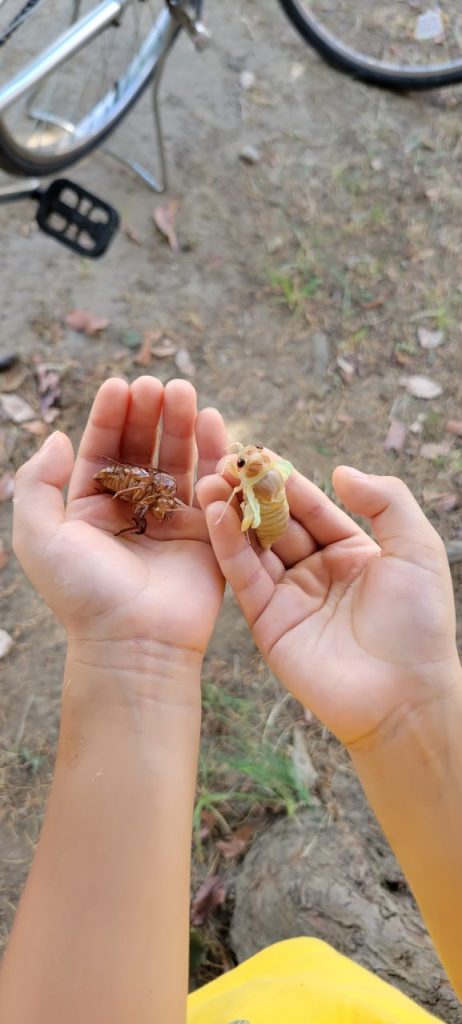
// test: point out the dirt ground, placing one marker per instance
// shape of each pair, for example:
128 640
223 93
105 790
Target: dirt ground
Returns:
299 291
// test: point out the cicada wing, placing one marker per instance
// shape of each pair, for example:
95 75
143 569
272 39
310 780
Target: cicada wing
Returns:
285 468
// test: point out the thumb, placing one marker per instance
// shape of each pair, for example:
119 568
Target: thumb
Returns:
38 499
399 525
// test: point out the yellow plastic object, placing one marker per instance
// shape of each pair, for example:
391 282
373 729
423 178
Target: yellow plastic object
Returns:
302 981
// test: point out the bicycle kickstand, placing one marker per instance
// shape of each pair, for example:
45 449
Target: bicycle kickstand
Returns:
157 184
201 38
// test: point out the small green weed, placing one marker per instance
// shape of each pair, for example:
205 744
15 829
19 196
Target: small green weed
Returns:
292 288
240 768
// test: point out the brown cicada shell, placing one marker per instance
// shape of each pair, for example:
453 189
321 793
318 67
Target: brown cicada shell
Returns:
146 489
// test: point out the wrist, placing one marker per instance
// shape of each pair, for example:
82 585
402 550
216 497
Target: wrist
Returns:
416 736
131 687
426 705
146 667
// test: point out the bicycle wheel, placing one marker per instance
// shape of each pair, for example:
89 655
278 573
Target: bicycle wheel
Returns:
69 71
399 44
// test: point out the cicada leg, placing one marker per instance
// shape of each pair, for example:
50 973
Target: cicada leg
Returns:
125 490
235 491
139 520
250 508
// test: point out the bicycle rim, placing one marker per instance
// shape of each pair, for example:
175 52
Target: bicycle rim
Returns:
407 44
75 106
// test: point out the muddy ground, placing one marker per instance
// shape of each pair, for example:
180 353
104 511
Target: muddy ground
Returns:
299 290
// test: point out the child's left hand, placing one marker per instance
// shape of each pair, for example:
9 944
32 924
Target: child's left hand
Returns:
157 592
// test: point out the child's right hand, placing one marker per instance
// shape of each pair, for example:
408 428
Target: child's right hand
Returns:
360 634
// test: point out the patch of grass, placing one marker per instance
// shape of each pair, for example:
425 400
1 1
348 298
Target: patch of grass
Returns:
350 179
443 318
294 288
30 761
242 768
378 215
432 428
296 282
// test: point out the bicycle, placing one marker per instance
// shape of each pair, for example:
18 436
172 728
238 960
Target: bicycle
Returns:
71 70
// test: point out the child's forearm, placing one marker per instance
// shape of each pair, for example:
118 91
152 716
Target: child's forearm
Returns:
413 780
101 935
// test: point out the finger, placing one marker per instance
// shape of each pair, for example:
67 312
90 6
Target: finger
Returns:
316 513
212 440
399 524
139 435
177 452
101 437
38 500
239 563
212 488
295 545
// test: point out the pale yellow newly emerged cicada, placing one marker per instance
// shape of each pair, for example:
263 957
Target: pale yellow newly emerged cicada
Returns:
261 479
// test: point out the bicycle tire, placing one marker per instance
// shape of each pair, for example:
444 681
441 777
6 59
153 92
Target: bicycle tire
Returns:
16 159
400 78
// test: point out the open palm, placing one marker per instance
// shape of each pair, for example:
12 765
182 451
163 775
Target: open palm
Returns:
163 587
355 631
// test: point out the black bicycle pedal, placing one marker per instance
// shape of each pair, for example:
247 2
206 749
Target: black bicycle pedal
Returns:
76 217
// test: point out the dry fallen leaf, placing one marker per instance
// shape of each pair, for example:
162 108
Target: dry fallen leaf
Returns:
421 387
49 387
144 355
166 349
6 486
454 427
86 323
417 426
132 235
429 339
16 409
50 415
12 379
345 419
184 362
4 556
6 643
208 823
210 894
433 450
36 427
164 218
237 844
446 502
303 767
394 441
346 368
